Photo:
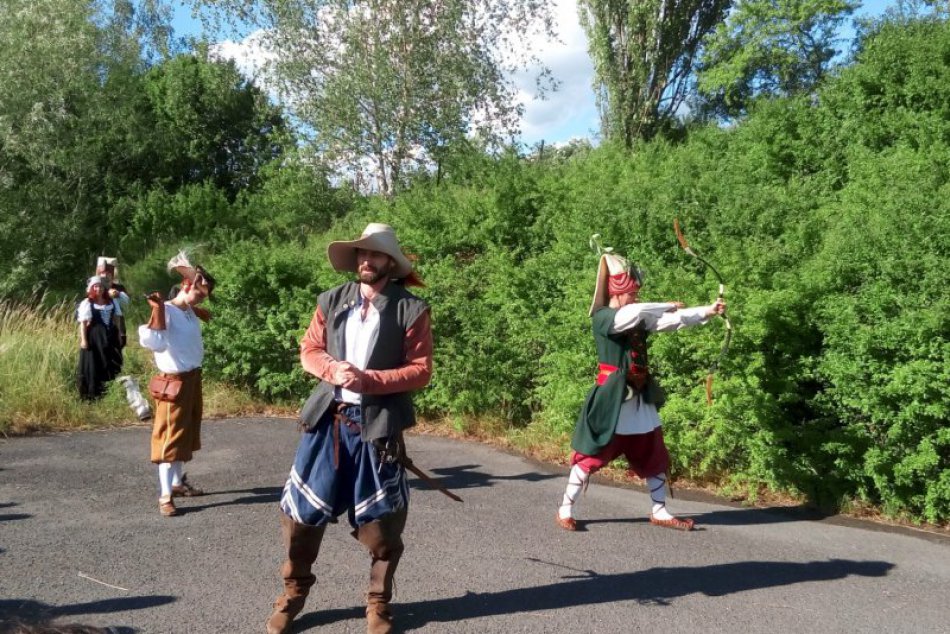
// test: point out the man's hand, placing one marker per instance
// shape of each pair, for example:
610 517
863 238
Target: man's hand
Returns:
717 309
113 293
347 376
155 299
157 320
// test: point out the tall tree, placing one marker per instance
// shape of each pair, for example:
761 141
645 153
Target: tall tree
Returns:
386 85
770 48
211 124
643 53
49 58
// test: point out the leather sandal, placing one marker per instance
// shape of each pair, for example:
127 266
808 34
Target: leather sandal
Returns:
167 508
567 523
674 523
185 490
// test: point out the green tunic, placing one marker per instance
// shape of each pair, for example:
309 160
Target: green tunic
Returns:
598 418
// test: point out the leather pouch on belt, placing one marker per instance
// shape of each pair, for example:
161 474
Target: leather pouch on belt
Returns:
165 388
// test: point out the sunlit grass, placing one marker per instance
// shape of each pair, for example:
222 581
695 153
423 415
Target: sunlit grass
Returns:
39 355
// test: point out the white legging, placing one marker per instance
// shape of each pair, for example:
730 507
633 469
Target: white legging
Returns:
169 475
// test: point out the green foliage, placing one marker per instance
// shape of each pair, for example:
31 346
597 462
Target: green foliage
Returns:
826 213
194 212
261 308
770 48
293 201
211 124
827 218
93 143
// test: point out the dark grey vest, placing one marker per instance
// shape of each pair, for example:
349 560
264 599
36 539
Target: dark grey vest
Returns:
383 414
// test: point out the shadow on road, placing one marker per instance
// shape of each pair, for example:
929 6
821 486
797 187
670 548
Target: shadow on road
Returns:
14 516
466 477
731 517
261 495
751 517
15 612
656 586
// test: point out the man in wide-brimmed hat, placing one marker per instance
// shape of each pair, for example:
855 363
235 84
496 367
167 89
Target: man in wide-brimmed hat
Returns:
370 344
620 415
173 334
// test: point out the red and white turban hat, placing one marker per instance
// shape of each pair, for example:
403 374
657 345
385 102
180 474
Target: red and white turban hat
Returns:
615 276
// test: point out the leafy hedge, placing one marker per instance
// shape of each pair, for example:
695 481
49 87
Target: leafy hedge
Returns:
829 219
828 216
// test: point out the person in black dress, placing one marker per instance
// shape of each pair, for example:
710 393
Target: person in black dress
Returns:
100 351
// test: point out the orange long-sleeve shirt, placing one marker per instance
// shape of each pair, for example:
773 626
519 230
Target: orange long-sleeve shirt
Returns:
414 374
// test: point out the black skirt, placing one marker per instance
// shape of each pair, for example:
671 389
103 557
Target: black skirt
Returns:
101 361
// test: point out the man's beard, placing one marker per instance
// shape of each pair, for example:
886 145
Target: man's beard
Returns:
370 275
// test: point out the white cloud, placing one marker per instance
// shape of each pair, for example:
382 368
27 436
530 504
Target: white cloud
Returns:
249 55
570 111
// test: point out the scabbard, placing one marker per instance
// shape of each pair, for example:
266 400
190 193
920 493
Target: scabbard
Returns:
410 465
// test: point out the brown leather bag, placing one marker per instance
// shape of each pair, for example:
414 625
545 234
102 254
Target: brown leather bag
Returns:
165 388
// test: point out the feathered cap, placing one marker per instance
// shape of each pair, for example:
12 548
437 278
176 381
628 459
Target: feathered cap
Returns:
615 275
194 273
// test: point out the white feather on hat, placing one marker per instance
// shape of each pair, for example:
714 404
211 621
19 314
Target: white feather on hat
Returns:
182 265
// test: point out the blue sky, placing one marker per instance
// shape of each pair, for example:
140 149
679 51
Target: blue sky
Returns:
570 112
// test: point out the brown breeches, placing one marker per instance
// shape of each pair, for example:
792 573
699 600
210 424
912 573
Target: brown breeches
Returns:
176 432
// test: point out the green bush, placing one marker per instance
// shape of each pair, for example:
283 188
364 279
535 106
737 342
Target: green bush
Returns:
262 305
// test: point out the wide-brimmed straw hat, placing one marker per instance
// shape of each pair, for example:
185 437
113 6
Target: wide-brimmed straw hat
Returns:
376 237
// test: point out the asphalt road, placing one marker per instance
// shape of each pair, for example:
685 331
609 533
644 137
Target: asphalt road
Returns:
79 510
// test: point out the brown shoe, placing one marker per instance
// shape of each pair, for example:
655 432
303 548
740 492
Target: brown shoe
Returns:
567 523
167 508
674 523
185 489
282 618
379 620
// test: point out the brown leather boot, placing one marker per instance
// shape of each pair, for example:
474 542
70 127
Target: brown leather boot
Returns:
379 620
303 546
383 538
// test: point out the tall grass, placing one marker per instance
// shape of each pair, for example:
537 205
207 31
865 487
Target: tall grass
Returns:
39 355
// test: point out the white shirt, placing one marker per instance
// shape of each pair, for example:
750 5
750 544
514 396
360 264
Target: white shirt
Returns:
358 341
657 317
84 312
123 299
636 415
178 348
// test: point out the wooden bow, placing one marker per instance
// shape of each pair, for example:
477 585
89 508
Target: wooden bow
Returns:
722 293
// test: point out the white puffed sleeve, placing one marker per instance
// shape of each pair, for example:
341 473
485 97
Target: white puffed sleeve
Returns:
84 312
683 318
154 340
639 313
